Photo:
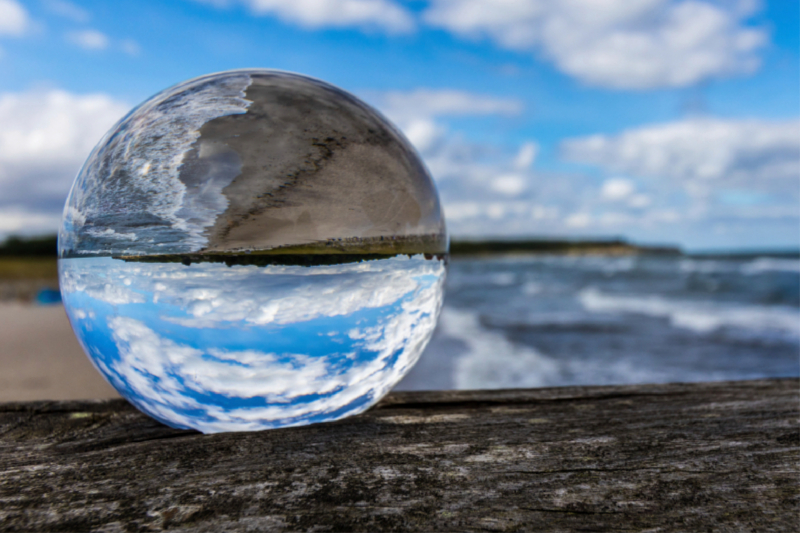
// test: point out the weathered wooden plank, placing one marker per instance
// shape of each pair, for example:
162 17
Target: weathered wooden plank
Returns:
699 457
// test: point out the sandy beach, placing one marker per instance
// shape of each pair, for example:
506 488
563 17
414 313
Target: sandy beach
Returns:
41 359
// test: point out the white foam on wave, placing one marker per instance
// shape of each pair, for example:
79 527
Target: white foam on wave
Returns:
502 279
531 288
700 317
708 266
760 265
771 264
135 167
490 360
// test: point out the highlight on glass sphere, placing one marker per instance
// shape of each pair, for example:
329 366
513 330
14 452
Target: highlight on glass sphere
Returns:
253 249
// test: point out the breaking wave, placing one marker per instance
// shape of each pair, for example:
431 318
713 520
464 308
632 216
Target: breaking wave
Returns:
700 317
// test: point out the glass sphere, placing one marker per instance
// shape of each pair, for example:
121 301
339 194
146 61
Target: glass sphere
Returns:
253 249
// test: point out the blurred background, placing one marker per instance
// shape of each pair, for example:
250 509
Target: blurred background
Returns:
619 177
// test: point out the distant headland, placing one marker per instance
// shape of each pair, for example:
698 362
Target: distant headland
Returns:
559 247
46 247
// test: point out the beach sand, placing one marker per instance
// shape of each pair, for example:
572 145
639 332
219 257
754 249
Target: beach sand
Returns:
40 358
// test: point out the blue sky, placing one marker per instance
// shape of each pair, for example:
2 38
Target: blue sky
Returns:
661 121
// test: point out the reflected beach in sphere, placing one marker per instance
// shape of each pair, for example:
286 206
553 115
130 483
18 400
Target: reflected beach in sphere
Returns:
253 249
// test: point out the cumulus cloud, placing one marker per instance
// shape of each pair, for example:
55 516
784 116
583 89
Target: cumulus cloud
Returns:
662 181
478 183
578 220
751 152
485 188
14 19
386 15
509 184
417 112
694 175
446 102
94 41
89 39
420 113
46 136
526 155
617 189
14 220
621 44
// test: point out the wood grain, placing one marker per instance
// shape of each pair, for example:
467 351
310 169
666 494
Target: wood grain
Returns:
681 457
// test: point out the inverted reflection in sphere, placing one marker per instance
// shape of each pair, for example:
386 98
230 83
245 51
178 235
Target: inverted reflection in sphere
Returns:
253 249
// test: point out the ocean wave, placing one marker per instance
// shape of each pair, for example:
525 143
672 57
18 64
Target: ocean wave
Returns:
709 266
502 279
700 317
606 264
559 321
490 360
771 264
531 288
495 279
487 359
759 265
134 172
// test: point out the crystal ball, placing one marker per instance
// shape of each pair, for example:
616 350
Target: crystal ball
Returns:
253 249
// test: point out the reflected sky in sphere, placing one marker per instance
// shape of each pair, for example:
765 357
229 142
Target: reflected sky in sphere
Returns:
221 348
251 250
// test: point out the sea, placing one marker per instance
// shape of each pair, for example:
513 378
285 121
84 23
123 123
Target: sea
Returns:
544 321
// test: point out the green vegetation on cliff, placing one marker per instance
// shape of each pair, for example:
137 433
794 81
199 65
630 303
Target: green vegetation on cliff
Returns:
561 247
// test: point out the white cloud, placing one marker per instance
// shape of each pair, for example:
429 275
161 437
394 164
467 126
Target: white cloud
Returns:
693 175
68 10
130 47
18 221
752 152
490 190
445 102
578 220
46 136
456 164
640 201
617 189
89 39
14 20
386 15
509 184
423 133
52 129
416 112
624 44
94 40
526 155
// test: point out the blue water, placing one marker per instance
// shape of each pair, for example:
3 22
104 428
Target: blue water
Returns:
555 320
